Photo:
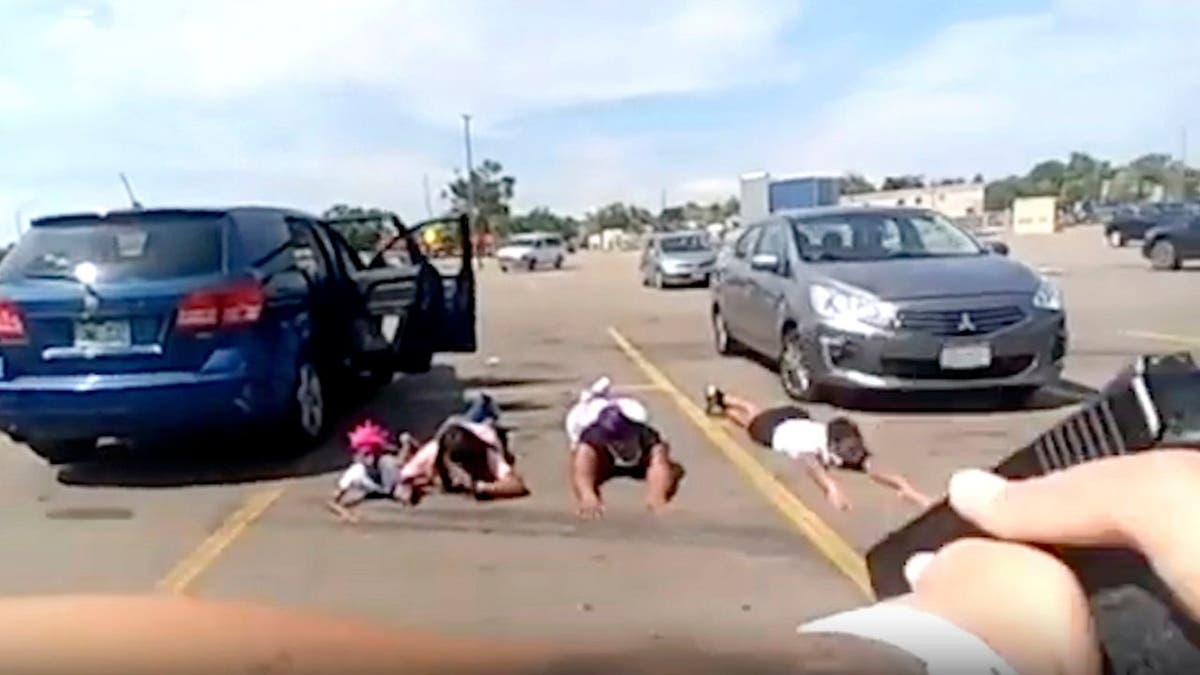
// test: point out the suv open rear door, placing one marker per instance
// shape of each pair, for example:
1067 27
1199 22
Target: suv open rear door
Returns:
410 309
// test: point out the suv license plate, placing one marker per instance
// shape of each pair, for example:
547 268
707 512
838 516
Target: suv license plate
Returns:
966 357
103 335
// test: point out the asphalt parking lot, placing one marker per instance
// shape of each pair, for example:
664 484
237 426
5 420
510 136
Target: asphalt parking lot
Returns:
749 548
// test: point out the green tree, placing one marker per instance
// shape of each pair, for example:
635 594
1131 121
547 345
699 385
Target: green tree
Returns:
855 184
620 216
542 219
903 182
493 192
365 234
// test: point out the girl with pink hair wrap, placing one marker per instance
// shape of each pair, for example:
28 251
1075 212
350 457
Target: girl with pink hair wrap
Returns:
375 471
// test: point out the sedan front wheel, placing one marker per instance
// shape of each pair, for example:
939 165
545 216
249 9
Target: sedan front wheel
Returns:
795 373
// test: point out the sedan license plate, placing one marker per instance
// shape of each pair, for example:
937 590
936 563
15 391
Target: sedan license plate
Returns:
966 357
103 335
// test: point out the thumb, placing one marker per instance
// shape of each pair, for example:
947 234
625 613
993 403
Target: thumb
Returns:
1055 509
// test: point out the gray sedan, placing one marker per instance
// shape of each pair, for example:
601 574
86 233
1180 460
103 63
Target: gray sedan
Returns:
886 299
677 258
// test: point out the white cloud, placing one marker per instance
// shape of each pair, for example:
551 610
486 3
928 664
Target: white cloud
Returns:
1114 78
436 59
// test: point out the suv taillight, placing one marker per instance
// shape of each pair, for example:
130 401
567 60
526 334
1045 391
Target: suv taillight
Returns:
238 304
12 323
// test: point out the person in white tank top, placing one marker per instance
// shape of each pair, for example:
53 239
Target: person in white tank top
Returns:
820 446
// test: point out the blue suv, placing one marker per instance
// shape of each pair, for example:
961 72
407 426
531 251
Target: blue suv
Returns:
147 324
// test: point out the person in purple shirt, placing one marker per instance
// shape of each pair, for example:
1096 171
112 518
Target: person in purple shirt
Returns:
614 445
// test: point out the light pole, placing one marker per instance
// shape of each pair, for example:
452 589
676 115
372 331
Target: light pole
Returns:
19 211
470 180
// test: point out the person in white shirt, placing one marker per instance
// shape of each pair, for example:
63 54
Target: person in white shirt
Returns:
611 436
594 399
791 431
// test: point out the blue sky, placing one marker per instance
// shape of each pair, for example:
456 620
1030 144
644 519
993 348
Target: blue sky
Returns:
309 102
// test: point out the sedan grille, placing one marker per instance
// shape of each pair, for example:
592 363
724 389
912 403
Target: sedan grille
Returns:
923 369
960 321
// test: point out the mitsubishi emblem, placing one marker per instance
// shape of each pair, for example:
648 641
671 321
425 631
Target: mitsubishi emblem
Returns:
91 303
965 325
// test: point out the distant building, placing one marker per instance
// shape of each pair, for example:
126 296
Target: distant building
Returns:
762 194
954 201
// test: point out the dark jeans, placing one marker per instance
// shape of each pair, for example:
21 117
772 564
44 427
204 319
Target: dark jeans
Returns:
482 408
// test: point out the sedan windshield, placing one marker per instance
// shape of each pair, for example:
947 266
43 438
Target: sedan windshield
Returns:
881 236
684 244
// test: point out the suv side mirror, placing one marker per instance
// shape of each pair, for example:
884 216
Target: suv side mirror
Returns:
998 247
765 262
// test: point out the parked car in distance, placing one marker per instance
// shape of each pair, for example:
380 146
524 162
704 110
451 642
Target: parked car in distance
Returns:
1167 247
532 250
886 299
677 258
153 325
1131 222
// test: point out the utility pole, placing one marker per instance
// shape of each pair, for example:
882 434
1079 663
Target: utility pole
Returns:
428 204
470 180
470 168
1183 149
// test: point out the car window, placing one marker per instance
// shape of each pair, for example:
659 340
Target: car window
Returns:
771 242
308 251
137 246
683 244
881 236
742 248
350 260
261 234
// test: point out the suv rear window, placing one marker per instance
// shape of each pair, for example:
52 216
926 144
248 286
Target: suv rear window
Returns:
127 249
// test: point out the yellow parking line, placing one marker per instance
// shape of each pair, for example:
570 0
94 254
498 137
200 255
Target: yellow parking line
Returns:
195 563
1165 337
843 556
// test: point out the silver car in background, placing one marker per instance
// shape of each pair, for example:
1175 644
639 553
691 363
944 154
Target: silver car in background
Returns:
678 258
886 299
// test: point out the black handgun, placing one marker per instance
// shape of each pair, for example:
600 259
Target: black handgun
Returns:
1142 629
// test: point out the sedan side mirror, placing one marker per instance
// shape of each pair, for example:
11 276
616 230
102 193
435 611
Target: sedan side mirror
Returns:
765 262
998 247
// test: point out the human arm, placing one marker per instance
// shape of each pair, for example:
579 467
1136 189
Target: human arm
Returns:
510 486
350 493
343 502
896 482
154 634
820 475
584 478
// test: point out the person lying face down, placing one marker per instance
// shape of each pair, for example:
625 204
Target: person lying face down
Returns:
820 446
618 443
469 454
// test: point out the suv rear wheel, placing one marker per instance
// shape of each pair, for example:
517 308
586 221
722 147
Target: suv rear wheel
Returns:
1115 238
307 411
1163 255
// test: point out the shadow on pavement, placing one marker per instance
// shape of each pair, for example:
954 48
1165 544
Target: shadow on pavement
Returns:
1063 394
496 382
416 403
440 514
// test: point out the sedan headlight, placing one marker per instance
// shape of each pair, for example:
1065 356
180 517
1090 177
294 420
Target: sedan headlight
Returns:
1048 297
851 310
